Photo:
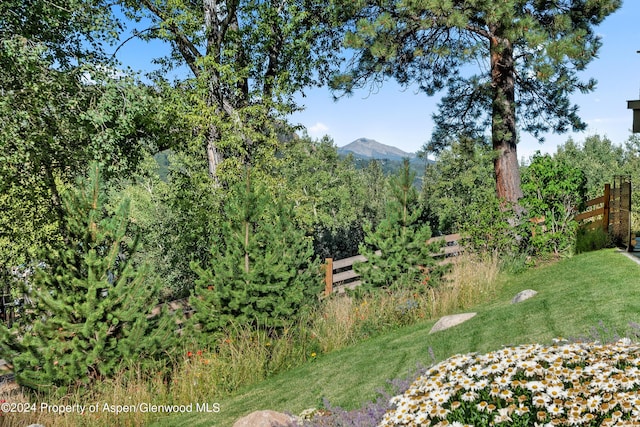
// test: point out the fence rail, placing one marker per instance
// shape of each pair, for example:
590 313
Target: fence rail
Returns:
340 275
603 212
612 212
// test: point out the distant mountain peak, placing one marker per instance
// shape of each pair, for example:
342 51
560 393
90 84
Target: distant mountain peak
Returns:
370 148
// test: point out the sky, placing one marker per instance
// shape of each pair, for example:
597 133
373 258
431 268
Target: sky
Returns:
402 117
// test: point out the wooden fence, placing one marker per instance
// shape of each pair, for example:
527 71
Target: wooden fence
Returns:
340 275
598 211
611 212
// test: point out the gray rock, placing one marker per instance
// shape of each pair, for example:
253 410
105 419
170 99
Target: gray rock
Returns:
524 295
265 419
448 321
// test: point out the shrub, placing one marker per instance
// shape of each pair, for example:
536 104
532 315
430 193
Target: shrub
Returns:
460 182
592 240
86 310
553 190
261 271
401 239
489 228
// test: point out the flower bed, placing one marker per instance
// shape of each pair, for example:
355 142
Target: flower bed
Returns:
586 384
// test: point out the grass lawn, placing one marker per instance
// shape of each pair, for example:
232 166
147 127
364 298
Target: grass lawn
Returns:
574 296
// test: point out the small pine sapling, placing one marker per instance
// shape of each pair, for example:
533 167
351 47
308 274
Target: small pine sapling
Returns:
401 239
87 307
261 272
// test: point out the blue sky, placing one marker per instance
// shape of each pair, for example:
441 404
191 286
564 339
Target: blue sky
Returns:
402 118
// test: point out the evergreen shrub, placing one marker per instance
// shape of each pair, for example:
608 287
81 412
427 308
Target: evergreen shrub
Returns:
87 307
261 272
404 257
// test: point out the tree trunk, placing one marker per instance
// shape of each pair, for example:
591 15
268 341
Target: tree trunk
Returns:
214 28
214 156
503 129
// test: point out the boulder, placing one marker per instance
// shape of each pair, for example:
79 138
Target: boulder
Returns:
524 295
448 321
265 419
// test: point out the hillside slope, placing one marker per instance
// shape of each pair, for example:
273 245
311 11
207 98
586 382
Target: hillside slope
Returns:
575 296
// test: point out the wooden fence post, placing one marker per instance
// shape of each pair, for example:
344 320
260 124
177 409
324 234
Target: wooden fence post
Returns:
607 204
328 276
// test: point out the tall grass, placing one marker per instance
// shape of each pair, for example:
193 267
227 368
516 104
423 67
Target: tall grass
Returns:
335 322
243 356
472 280
343 320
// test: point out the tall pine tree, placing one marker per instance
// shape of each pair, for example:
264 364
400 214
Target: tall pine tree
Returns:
261 271
401 237
87 306
530 57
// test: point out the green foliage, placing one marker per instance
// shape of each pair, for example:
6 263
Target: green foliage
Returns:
86 307
461 177
69 31
325 190
52 123
430 43
601 159
490 228
631 168
554 190
401 237
171 218
248 60
588 240
331 197
258 49
598 158
459 196
529 57
261 271
571 299
392 166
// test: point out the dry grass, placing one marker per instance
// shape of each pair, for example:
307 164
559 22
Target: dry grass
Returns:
245 356
343 320
472 280
334 323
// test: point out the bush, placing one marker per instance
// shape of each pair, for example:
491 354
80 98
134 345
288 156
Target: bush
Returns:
86 309
261 271
489 228
400 239
553 191
592 240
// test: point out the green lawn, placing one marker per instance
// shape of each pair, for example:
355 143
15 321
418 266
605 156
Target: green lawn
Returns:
575 295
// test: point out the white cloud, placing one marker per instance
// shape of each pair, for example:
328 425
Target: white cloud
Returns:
319 129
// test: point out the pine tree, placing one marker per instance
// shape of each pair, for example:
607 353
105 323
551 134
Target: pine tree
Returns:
529 55
87 306
261 271
401 237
